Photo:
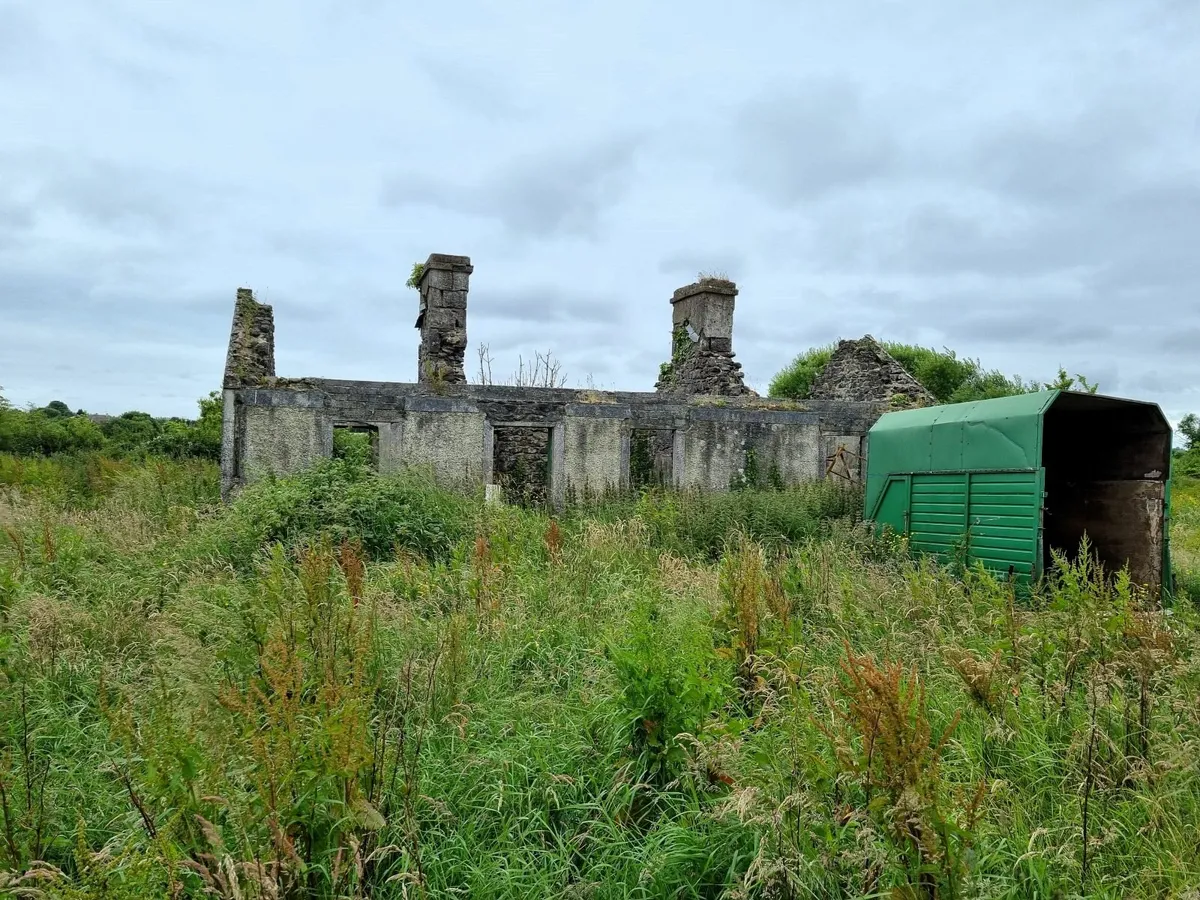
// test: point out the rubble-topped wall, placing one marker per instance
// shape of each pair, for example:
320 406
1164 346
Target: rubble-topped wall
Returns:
458 432
702 342
251 354
862 370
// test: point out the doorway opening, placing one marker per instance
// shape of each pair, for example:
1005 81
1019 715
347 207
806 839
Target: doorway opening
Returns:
651 458
1107 462
357 443
521 463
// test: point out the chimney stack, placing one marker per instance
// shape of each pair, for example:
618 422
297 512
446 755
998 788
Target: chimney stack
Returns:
702 341
442 319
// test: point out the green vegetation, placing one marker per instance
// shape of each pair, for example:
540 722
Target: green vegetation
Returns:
681 349
353 445
1185 536
1187 457
347 685
414 277
55 429
943 374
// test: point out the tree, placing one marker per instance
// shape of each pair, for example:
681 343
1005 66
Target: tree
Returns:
942 373
131 430
200 439
1189 427
1065 382
55 429
206 433
56 408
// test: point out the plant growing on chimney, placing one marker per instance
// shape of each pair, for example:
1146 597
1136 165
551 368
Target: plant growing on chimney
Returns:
681 348
414 278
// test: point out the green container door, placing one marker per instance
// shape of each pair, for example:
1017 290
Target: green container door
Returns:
1004 521
938 516
996 515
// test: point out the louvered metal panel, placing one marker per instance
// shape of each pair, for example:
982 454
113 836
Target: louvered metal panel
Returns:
1004 515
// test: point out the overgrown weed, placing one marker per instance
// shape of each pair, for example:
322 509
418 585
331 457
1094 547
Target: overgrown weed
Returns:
352 686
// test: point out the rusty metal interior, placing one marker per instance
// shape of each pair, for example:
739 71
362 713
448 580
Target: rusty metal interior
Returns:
1107 464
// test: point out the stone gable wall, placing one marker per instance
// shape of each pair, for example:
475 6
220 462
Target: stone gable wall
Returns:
251 354
862 370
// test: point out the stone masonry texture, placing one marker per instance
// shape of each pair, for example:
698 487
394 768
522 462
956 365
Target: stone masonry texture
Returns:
521 457
862 370
702 342
251 355
564 442
442 319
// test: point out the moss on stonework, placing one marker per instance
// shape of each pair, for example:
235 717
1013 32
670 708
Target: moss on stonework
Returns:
681 349
590 396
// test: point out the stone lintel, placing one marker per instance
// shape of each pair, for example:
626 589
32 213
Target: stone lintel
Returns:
598 410
439 404
445 262
716 286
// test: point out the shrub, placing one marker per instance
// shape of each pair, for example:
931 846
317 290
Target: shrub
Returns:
795 380
701 523
670 685
344 501
54 429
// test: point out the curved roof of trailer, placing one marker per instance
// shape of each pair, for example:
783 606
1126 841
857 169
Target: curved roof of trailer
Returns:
1000 433
1016 406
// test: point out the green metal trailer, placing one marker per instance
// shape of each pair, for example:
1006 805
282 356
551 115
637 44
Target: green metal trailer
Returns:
1006 481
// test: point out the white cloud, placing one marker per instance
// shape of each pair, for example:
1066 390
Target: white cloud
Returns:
1016 182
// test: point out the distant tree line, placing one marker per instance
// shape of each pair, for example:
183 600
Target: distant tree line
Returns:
55 428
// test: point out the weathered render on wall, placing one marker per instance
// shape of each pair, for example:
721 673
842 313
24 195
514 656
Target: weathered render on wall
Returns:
595 448
446 435
709 431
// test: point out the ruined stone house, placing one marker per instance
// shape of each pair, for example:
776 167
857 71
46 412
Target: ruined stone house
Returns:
701 428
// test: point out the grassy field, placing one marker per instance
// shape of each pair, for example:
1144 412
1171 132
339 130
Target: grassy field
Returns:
342 686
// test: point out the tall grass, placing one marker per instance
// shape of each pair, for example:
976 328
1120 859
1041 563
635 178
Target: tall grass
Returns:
345 686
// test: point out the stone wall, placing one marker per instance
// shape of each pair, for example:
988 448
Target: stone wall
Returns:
251 355
442 319
521 462
569 443
862 370
453 435
651 457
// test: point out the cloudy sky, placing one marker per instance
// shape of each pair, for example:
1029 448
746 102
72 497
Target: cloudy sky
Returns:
1017 180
